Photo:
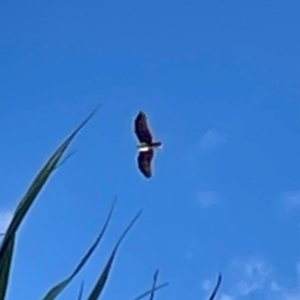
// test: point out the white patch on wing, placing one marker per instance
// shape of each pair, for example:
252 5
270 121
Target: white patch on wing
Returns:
144 149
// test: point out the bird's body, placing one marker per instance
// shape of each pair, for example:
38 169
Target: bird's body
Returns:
147 145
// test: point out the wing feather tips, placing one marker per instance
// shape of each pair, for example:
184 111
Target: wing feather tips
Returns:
144 163
142 129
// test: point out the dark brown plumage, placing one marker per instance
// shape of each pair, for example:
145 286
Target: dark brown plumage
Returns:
146 146
142 129
144 162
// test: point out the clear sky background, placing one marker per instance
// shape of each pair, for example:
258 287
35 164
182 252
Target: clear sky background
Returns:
219 81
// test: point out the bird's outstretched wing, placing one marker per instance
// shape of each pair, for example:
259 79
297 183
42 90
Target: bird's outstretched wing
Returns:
144 162
142 129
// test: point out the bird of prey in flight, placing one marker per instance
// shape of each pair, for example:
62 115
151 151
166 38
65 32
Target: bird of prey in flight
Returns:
146 146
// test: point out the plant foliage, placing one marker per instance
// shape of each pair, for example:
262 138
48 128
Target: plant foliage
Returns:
9 239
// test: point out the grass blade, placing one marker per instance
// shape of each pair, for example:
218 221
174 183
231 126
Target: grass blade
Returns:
99 286
213 295
38 184
58 288
81 291
66 158
5 267
158 287
28 200
154 284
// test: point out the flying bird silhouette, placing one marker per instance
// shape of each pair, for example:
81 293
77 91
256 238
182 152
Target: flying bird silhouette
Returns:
146 146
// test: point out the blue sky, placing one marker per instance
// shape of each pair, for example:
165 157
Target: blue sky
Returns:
219 81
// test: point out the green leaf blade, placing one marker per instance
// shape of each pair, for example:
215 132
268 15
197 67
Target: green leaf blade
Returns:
214 293
145 294
100 284
58 288
5 267
7 244
80 295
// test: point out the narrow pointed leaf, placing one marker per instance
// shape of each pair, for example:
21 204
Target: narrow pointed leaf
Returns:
213 295
5 267
81 291
66 158
158 287
26 203
154 284
37 185
58 288
99 286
